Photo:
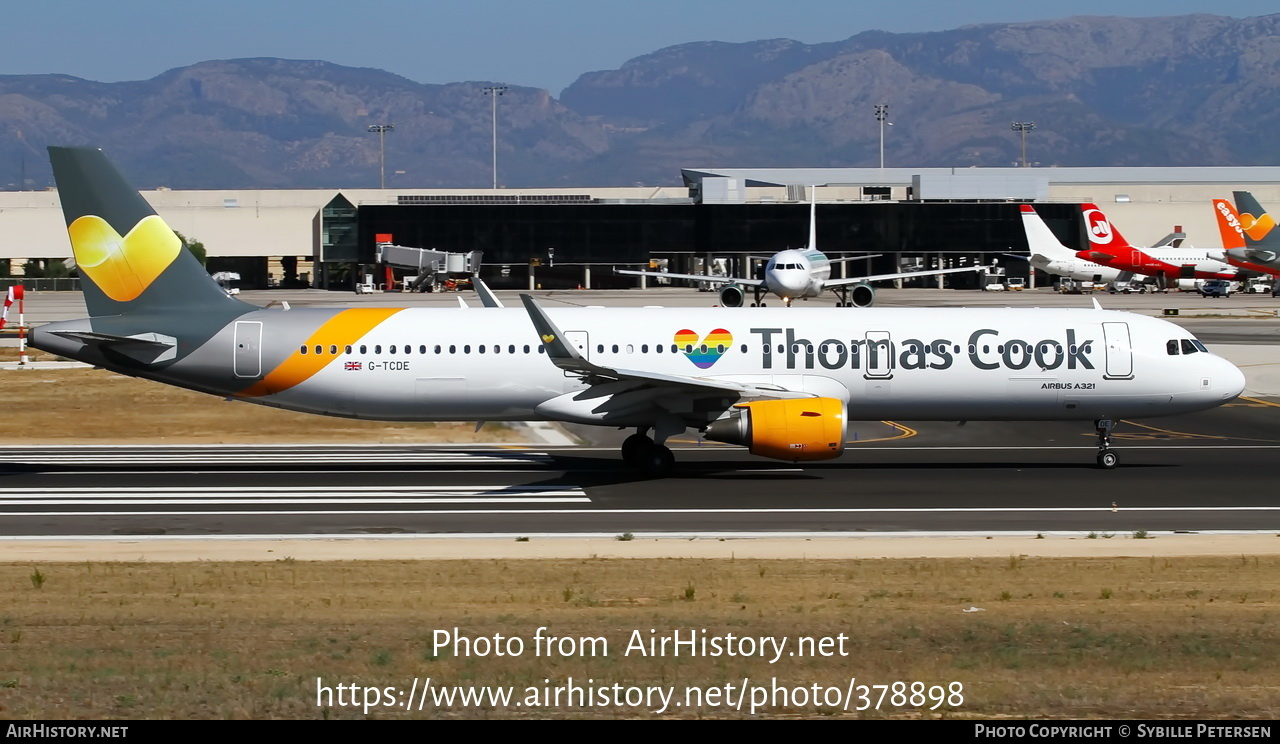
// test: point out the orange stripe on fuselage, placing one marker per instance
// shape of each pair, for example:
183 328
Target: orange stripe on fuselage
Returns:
347 327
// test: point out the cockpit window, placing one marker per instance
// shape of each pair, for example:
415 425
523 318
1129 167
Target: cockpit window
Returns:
1171 346
1199 346
1189 346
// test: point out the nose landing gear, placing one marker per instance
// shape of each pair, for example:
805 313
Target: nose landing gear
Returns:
1107 457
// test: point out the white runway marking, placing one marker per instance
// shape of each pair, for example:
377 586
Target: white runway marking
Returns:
611 512
357 496
272 458
507 536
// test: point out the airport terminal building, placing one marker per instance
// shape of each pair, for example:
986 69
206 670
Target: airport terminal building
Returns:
716 221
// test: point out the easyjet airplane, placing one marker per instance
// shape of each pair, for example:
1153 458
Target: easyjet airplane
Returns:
1166 264
780 382
1248 234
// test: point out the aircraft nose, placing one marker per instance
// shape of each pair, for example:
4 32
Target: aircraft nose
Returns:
1230 381
785 283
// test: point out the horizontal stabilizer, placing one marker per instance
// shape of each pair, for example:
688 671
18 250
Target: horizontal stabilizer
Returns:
148 348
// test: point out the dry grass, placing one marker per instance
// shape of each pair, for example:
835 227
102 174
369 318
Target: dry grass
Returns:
87 406
1071 638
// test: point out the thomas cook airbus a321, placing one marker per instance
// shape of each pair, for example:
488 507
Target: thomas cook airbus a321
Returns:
781 382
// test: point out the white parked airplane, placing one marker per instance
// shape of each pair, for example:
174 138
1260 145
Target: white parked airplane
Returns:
795 274
1049 255
781 382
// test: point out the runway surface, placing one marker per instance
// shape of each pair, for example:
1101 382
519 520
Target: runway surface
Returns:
1207 472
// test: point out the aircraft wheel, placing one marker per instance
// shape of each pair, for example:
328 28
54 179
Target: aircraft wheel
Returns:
634 449
1108 459
657 462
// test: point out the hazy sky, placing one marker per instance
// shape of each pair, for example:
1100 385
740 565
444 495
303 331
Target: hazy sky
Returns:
538 43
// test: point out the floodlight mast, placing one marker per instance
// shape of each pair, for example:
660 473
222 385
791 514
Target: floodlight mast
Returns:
381 130
493 91
1023 127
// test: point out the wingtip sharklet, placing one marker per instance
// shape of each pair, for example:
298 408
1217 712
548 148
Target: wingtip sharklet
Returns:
558 350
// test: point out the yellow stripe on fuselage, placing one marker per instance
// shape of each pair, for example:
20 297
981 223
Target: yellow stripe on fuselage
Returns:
347 327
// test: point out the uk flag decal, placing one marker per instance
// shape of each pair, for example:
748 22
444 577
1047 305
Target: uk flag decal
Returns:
352 365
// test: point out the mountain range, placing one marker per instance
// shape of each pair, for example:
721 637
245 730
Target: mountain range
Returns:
1185 90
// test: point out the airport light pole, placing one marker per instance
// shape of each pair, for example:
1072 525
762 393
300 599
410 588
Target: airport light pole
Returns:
882 113
1023 127
381 130
493 91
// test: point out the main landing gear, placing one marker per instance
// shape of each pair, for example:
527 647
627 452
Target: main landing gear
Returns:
650 458
1107 457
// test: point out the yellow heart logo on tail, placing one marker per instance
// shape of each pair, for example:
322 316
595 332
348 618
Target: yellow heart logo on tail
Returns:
123 268
548 338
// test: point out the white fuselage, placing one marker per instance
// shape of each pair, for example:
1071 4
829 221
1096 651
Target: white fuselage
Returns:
1076 268
912 364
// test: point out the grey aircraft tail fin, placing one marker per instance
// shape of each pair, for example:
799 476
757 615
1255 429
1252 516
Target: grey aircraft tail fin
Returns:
130 262
1258 226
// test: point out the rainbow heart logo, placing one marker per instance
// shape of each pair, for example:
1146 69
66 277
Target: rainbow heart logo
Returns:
706 352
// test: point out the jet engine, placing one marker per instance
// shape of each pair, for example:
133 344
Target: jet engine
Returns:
791 429
862 295
731 295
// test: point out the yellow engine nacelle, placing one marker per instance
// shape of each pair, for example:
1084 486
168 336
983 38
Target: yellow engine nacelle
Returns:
793 429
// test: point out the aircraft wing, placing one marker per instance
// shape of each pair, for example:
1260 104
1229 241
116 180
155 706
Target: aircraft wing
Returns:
695 277
487 297
563 355
904 275
855 258
1096 256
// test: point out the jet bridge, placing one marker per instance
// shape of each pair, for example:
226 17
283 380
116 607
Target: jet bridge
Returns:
433 268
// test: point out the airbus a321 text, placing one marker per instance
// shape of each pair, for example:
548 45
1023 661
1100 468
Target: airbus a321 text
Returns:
781 382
